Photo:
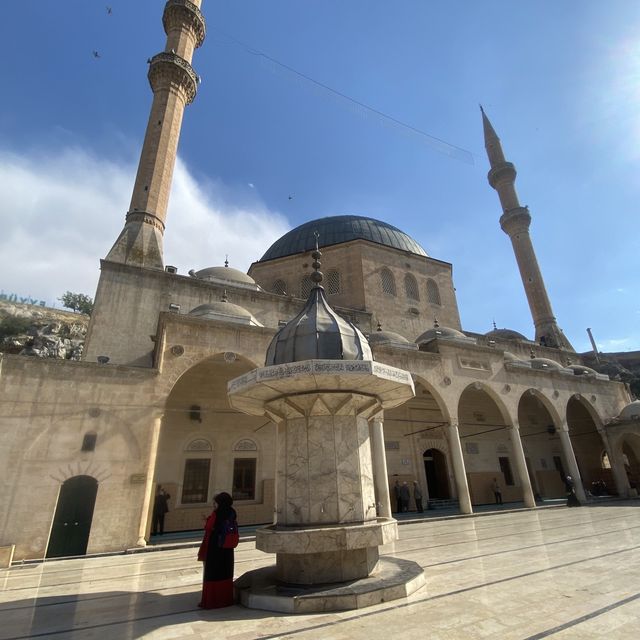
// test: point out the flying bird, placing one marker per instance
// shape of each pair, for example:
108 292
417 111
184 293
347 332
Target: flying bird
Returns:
109 11
291 197
96 54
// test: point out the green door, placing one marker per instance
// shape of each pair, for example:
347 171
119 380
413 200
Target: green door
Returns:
72 521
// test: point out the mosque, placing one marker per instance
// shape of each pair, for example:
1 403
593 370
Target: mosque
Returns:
85 444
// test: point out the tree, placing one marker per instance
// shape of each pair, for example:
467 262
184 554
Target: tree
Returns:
78 302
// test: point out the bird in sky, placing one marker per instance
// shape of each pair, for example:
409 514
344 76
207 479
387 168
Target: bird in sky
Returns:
109 11
291 197
96 54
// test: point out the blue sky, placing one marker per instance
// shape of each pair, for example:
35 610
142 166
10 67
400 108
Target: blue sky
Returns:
559 80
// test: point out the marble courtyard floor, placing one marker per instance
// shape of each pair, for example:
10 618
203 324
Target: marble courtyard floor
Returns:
551 573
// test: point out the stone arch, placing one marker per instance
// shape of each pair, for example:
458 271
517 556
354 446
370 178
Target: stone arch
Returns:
582 421
484 428
538 421
428 386
193 475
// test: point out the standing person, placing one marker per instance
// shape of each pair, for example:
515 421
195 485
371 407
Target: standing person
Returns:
217 584
405 496
572 499
417 496
497 491
160 508
398 497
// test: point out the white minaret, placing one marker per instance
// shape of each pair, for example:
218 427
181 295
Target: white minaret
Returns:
174 84
515 222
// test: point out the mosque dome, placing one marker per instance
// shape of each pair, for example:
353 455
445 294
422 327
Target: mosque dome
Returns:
317 332
510 357
505 334
223 310
441 333
225 275
387 337
581 370
545 363
631 411
338 229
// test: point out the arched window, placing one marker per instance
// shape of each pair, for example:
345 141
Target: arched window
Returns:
411 287
333 281
388 282
306 284
279 287
433 293
89 441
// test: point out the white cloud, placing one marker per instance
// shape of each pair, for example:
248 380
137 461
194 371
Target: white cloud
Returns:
60 213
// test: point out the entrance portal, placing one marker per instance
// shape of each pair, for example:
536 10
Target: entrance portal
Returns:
435 466
72 521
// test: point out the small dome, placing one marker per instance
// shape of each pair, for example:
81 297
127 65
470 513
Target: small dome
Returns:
338 229
441 333
545 363
581 370
317 332
510 357
386 337
224 310
505 334
224 275
631 411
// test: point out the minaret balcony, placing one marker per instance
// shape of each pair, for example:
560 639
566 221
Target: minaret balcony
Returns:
167 69
504 173
515 221
179 13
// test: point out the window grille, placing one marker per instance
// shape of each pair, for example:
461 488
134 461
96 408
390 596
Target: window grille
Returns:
411 287
333 281
433 293
244 479
388 282
306 284
279 287
195 485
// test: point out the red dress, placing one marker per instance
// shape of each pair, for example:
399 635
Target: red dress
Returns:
217 585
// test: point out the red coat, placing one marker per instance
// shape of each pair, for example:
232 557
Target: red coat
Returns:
208 528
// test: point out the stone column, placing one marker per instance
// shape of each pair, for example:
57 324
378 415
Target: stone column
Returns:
617 466
147 501
379 458
459 470
521 467
569 455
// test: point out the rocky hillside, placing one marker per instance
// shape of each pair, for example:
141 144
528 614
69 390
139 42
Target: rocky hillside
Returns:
32 330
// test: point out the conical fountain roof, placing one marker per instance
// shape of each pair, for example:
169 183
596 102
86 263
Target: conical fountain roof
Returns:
317 332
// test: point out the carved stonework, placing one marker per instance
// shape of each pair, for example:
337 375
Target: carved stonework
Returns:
168 70
179 13
145 218
200 444
246 445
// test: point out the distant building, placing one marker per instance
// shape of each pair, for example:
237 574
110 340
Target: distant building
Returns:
85 444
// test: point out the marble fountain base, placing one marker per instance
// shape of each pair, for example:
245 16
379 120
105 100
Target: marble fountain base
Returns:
328 568
393 578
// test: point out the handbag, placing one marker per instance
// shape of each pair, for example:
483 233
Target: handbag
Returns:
230 537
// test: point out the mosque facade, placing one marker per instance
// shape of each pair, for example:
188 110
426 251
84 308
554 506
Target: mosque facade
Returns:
86 444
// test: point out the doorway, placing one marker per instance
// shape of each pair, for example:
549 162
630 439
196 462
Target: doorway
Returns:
435 467
72 520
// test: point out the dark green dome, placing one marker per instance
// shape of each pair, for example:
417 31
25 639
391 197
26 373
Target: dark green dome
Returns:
339 229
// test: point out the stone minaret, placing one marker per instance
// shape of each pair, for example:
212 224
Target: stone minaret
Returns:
174 84
515 221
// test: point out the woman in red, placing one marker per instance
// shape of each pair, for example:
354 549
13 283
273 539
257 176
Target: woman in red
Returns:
217 586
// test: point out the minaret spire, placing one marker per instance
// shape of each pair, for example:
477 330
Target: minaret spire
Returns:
515 222
174 84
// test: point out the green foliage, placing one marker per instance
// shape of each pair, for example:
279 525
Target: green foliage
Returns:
78 302
13 326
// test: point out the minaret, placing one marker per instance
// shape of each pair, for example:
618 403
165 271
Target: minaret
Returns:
515 221
174 84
